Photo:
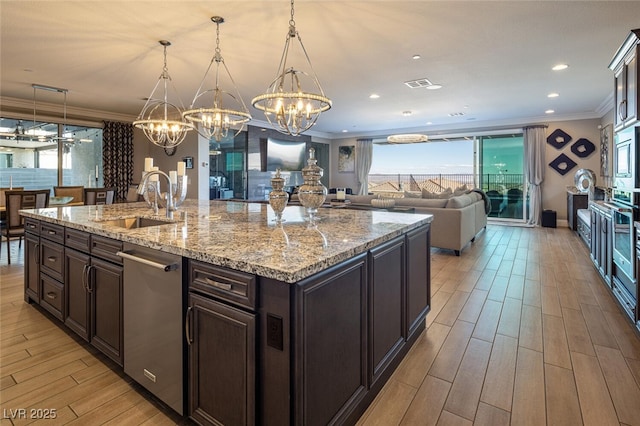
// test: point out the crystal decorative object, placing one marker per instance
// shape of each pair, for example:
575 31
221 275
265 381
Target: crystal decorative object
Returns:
312 193
278 198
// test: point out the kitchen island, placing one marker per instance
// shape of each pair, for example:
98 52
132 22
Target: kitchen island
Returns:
283 324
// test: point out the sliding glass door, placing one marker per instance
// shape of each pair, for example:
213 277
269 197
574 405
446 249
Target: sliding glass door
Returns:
501 170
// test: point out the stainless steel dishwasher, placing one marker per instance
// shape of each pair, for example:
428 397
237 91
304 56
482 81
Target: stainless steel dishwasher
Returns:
153 322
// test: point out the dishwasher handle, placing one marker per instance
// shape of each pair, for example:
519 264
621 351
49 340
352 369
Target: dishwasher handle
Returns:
165 267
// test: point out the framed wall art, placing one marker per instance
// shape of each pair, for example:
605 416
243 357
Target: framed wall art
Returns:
347 158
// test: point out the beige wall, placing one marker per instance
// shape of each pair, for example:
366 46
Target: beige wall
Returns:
189 147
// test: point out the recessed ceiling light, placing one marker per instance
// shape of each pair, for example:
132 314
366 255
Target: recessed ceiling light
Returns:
552 95
428 123
374 96
560 67
549 111
416 56
344 131
406 113
434 86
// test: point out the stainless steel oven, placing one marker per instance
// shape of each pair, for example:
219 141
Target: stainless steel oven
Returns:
624 271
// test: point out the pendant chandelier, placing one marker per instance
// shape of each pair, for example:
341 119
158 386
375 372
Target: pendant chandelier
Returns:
226 110
287 107
160 120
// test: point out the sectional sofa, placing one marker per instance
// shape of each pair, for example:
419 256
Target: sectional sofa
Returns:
456 220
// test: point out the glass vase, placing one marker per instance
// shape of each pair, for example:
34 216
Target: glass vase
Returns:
278 198
312 193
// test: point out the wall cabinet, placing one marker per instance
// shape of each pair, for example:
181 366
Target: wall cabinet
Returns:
625 69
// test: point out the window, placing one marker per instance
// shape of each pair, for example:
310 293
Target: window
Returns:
492 162
26 161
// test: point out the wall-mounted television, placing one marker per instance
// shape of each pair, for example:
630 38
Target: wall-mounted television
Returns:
284 155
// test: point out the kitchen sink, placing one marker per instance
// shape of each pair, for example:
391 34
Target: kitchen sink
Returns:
134 222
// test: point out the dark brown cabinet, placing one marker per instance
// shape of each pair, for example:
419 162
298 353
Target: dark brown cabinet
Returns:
221 337
94 291
32 266
575 201
221 362
601 241
78 297
105 286
387 331
418 278
625 69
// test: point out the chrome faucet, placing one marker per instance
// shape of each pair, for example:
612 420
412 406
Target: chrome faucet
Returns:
170 202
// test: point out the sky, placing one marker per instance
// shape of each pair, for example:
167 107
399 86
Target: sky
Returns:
423 158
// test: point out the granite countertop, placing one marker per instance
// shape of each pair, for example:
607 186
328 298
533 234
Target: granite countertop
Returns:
244 236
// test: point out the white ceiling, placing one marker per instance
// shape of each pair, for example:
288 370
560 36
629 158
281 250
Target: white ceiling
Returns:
493 58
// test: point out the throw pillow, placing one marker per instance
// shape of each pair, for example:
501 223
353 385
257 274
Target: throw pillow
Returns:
444 194
461 190
460 201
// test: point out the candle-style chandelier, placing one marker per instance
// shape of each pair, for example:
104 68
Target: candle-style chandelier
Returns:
217 110
160 120
287 107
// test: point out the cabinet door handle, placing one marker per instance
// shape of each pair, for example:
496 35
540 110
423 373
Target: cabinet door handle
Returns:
36 253
187 325
84 277
89 289
621 110
51 295
223 286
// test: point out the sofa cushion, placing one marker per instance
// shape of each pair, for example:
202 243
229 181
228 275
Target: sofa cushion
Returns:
361 199
412 194
421 202
460 201
444 194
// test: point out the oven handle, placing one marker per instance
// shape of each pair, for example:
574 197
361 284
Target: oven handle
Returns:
619 209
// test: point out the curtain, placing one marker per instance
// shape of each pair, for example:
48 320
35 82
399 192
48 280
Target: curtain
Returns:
117 157
534 164
364 156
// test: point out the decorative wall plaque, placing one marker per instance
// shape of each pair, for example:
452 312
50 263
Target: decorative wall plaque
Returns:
562 164
583 148
558 138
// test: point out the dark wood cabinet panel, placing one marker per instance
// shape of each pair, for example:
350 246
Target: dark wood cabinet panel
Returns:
52 296
32 267
77 317
330 331
418 255
52 259
221 363
574 203
105 286
386 305
625 69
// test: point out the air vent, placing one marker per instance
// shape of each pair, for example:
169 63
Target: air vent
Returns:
456 114
422 82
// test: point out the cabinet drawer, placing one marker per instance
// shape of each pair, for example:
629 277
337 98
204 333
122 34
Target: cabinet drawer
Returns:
106 248
52 232
78 240
32 225
233 286
52 259
52 296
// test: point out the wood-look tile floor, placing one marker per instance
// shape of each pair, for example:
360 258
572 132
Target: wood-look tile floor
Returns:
521 331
